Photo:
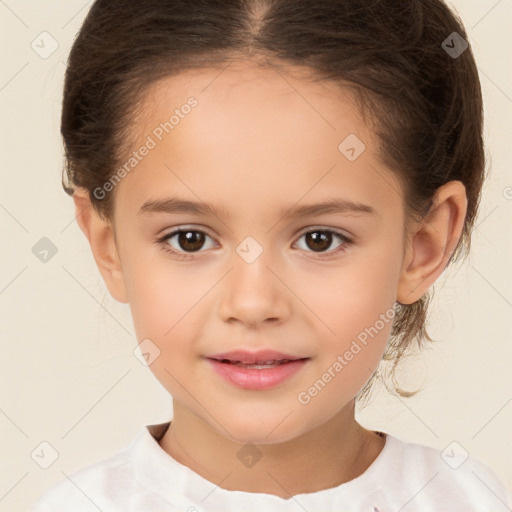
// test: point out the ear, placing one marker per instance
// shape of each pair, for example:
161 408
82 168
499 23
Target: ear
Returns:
100 234
432 242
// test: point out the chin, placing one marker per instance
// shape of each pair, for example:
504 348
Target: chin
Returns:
258 429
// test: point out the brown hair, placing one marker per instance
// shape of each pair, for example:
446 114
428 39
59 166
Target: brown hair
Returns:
426 103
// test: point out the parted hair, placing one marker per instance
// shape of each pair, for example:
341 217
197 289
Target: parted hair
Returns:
425 104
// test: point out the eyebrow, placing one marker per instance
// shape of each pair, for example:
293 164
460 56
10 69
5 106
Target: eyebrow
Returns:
174 205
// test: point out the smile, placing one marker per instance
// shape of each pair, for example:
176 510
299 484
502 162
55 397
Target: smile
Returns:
256 371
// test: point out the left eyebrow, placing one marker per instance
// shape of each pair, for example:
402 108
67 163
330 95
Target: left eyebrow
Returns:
174 205
325 207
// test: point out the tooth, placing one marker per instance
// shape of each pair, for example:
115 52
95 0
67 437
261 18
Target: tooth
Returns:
258 364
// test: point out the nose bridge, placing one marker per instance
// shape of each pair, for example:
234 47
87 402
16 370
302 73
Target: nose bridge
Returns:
253 294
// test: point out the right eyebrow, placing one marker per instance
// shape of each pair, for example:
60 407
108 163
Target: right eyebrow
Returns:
175 205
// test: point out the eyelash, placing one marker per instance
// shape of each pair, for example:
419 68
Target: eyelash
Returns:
162 241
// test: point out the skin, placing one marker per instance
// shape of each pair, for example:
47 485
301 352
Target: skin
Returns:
259 141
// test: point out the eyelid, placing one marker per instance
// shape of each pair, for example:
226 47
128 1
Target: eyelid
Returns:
347 240
300 233
179 229
186 227
338 231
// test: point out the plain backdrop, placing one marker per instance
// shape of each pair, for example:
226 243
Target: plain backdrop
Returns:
68 373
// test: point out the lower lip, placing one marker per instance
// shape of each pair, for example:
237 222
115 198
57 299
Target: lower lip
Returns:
257 379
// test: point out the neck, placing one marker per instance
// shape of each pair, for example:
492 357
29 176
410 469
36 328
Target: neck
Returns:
327 456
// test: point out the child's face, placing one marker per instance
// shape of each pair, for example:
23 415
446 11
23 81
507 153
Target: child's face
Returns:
259 143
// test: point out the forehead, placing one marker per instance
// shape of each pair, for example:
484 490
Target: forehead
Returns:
268 91
254 131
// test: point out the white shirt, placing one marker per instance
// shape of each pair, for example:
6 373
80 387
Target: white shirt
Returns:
405 477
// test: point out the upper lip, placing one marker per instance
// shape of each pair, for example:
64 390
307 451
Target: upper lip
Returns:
260 356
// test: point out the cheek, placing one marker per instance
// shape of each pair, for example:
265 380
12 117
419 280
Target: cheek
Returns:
350 298
158 293
346 360
171 306
355 304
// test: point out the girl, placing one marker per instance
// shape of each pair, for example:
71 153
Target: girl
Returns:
273 187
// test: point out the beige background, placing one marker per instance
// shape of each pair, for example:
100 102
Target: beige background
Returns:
68 373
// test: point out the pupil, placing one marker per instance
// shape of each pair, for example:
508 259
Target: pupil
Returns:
321 240
191 240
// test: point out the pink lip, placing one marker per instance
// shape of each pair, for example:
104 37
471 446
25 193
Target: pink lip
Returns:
256 378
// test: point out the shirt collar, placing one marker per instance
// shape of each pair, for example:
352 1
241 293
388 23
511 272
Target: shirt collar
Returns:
160 473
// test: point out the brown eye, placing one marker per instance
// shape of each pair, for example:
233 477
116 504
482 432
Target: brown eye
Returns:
319 240
182 241
190 240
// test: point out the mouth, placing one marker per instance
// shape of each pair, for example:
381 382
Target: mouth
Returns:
258 365
263 358
256 370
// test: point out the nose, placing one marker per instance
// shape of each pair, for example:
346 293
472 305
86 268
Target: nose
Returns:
253 294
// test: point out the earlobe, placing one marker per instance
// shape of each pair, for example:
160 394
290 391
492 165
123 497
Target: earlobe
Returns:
432 242
101 238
